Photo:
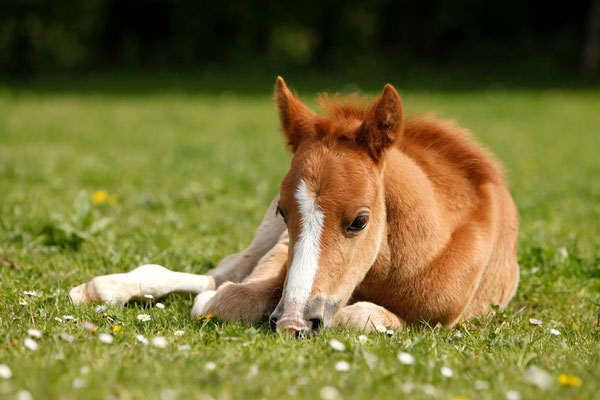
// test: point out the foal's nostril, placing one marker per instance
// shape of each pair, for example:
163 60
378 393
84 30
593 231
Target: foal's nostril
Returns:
273 323
316 323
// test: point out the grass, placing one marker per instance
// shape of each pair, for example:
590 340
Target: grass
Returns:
192 174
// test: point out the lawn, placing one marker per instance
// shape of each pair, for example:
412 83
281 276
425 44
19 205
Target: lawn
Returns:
188 175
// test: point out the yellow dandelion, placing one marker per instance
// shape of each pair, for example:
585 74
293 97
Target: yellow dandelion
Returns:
99 196
569 380
94 329
117 328
462 324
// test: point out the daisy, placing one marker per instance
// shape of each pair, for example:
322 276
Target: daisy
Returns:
178 333
67 337
160 305
405 358
329 393
30 344
5 372
513 395
24 395
160 342
68 317
148 296
337 345
389 332
88 326
538 377
381 328
106 338
144 317
482 385
34 333
79 383
141 339
32 293
446 372
362 339
210 366
554 332
342 366
100 309
23 302
185 347
58 319
534 321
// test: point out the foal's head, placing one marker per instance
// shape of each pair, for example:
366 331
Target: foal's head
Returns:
332 201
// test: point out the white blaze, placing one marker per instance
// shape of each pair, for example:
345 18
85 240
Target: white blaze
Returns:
307 250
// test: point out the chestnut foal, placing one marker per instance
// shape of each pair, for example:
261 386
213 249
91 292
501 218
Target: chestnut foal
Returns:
379 221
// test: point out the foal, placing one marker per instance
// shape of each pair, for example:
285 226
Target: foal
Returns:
379 221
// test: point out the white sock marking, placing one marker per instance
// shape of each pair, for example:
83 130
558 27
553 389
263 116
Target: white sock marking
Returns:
307 249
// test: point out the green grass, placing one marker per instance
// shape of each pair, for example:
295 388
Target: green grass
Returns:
193 172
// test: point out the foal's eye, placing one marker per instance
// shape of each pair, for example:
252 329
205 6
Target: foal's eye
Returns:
282 214
359 223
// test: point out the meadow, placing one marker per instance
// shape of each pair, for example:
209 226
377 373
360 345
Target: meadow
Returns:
95 182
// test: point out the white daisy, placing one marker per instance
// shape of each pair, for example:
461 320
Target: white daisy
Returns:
34 333
554 332
446 372
106 338
482 385
178 333
144 317
58 319
362 339
405 358
160 342
148 296
67 337
23 302
141 339
100 309
329 393
160 305
513 395
337 345
32 293
24 395
342 366
534 321
79 383
381 328
68 317
389 332
538 377
88 326
30 344
210 366
5 372
184 347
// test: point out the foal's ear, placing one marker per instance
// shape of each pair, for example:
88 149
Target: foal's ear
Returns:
383 123
297 120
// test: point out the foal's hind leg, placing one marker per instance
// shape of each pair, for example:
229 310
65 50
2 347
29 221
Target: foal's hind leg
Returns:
365 316
158 281
254 298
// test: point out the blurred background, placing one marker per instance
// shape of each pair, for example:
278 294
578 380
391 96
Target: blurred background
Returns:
434 43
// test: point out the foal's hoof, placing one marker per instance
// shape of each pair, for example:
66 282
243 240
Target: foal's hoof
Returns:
201 301
83 294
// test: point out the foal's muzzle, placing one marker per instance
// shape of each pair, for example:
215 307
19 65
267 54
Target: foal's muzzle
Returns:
316 316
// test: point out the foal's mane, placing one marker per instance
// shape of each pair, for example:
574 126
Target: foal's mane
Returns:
424 134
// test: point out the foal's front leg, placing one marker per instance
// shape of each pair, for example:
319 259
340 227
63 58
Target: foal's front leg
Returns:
151 279
365 316
254 298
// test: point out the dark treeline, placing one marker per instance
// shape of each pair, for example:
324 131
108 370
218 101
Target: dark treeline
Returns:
87 35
